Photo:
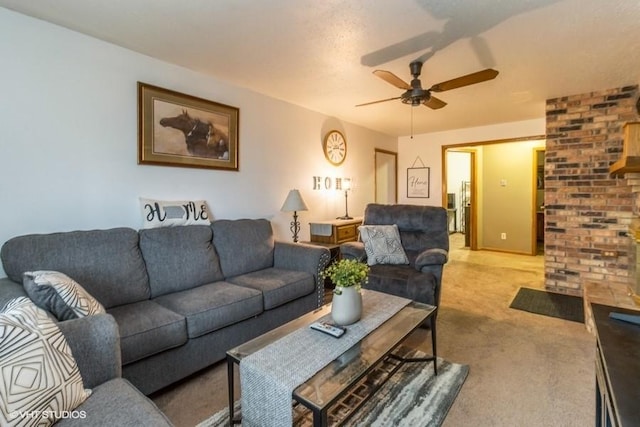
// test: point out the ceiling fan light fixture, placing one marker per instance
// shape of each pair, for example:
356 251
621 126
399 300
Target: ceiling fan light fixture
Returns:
411 100
415 97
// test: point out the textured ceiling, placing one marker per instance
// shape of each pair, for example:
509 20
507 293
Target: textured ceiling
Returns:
321 54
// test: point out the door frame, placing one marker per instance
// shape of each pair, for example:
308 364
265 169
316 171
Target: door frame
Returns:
534 190
375 173
472 226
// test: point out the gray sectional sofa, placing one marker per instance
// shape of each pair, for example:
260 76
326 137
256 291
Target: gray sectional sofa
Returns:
181 296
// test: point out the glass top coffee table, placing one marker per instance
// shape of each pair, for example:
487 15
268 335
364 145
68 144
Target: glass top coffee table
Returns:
338 390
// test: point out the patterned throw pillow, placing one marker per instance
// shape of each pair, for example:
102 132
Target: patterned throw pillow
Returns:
59 294
39 379
158 213
382 244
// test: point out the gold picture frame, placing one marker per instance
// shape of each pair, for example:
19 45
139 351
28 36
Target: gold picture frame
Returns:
175 129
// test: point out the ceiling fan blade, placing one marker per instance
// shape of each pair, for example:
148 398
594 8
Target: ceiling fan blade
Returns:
391 78
434 103
377 102
469 79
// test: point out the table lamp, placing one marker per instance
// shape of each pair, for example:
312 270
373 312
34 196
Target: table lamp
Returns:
294 203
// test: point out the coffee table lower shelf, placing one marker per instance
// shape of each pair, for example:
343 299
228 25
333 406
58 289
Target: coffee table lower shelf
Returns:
355 398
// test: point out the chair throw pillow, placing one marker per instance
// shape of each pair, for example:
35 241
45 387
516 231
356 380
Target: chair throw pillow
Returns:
382 244
158 213
59 294
40 382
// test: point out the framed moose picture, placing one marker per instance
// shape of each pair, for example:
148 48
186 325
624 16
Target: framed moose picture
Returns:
175 129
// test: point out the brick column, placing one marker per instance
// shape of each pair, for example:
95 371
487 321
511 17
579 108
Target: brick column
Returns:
587 211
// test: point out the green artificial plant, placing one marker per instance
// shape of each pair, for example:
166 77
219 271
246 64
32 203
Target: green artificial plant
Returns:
346 273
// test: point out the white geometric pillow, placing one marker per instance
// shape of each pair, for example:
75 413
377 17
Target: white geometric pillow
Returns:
61 295
39 378
160 213
382 244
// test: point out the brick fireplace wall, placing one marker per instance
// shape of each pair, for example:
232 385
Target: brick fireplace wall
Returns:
587 211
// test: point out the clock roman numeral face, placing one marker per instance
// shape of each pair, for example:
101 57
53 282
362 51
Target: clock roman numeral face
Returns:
335 148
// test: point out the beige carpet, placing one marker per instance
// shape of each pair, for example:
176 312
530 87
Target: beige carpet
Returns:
525 369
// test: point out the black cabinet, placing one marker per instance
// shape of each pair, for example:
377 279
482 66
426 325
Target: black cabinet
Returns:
617 368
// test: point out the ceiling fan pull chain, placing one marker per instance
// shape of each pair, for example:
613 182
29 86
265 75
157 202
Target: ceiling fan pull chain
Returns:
411 122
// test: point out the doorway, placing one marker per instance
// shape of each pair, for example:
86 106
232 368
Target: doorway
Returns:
502 212
460 201
386 186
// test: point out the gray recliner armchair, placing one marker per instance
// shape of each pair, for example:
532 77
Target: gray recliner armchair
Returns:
424 237
425 240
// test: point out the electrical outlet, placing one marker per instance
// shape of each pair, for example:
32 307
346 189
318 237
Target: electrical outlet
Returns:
503 236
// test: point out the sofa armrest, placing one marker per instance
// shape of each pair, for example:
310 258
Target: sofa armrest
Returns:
302 257
432 261
10 290
433 256
353 250
95 344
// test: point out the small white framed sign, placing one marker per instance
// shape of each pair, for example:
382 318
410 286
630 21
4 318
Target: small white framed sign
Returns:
418 182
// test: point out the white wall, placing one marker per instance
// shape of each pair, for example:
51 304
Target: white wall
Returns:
428 148
508 188
68 141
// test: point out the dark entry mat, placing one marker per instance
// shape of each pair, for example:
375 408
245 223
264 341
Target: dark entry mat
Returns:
567 307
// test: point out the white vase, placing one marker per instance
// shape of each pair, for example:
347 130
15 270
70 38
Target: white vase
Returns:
346 307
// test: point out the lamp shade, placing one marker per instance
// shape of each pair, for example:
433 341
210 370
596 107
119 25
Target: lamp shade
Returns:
294 202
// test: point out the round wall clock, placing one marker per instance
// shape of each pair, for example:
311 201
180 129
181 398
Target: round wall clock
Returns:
335 147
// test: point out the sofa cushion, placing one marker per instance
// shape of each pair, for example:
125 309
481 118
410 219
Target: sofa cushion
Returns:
107 263
179 258
117 403
244 245
213 306
59 294
147 328
38 372
278 286
403 281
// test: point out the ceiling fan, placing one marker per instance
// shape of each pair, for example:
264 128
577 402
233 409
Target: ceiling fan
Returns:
414 93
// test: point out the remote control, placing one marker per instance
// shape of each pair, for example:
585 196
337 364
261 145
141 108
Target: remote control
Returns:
327 328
